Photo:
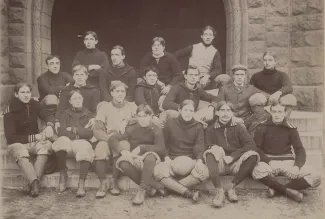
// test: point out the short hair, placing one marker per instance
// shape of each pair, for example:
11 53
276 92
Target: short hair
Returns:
20 85
79 68
238 67
71 93
145 108
186 102
90 32
222 103
192 67
209 28
160 40
115 84
52 56
120 48
276 103
150 68
273 54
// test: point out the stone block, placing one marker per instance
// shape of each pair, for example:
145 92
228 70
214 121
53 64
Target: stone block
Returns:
307 76
5 78
45 32
16 29
17 44
255 60
46 20
307 56
282 54
307 6
6 94
307 22
4 20
4 46
255 3
314 38
18 3
256 15
17 75
277 39
17 60
277 7
46 45
255 46
319 97
256 32
305 96
277 24
5 63
16 15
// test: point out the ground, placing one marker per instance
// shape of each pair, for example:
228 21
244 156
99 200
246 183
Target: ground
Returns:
252 204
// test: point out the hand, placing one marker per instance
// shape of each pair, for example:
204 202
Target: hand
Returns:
38 137
136 151
161 84
204 81
48 131
69 129
209 114
95 67
275 97
165 90
67 84
91 124
122 127
237 120
228 159
56 127
293 172
157 121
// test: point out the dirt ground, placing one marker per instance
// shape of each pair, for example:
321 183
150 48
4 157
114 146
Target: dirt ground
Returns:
253 204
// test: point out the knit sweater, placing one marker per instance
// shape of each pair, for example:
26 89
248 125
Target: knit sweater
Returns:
50 83
169 70
88 57
232 137
275 141
147 94
271 81
127 74
180 92
184 138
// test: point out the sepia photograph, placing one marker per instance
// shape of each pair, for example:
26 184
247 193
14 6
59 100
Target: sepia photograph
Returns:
159 109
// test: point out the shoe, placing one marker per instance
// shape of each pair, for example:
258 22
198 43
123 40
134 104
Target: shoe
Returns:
196 196
151 192
139 197
81 192
115 190
219 198
63 181
232 195
35 188
101 190
295 195
27 188
163 192
270 193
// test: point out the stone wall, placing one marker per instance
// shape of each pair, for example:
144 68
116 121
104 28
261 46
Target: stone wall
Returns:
294 30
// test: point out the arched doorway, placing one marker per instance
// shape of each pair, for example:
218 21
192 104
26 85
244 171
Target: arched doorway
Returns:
133 24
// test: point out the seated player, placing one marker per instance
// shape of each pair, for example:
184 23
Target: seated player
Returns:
111 118
184 140
147 145
282 153
231 151
24 138
207 58
73 141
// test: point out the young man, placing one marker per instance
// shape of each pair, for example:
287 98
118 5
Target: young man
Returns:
282 153
168 67
24 138
118 71
52 81
147 146
207 58
184 140
111 118
231 151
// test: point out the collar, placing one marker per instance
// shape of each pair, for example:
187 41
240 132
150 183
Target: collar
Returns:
218 125
16 105
119 105
285 123
266 71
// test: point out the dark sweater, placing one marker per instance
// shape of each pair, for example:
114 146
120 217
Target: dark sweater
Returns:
126 74
147 138
233 138
169 69
271 81
50 83
180 92
147 94
92 57
184 138
277 140
77 119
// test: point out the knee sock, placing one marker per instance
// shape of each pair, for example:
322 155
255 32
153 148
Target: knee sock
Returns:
116 172
173 185
100 166
273 183
27 168
149 164
245 170
130 171
39 165
84 168
61 159
213 170
298 184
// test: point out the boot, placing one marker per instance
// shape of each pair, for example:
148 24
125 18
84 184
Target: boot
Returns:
232 195
27 188
115 190
35 188
101 190
295 195
152 192
163 192
81 188
219 198
270 193
63 181
192 195
140 196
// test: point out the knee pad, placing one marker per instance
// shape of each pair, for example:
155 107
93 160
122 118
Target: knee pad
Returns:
101 151
200 171
261 170
84 151
44 148
61 144
216 151
257 99
17 151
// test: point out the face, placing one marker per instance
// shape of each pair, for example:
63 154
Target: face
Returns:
144 119
225 114
192 77
53 65
207 36
24 94
187 112
76 100
151 77
90 41
119 94
80 78
269 62
117 57
157 48
278 113
239 77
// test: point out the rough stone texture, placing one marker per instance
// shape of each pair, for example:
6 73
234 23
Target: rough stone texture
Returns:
319 98
18 3
307 22
5 78
305 96
307 76
4 46
282 54
277 24
310 38
16 15
255 3
256 46
6 92
277 7
274 39
17 44
17 75
307 56
17 60
256 15
16 29
4 18
46 32
256 32
307 6
255 60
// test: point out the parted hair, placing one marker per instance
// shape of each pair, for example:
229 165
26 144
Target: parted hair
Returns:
120 48
52 56
20 85
90 32
222 103
150 68
273 54
160 40
71 93
145 108
185 103
79 68
209 28
116 84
